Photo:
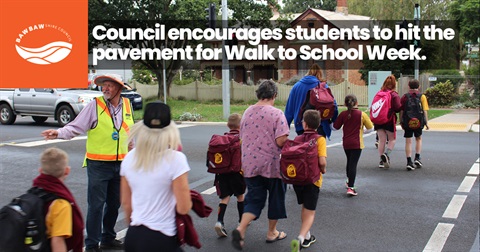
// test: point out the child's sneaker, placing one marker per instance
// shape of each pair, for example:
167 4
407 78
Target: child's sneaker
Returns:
410 166
385 160
306 243
220 229
381 165
418 164
295 245
351 191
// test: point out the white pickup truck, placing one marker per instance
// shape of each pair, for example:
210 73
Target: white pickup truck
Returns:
40 103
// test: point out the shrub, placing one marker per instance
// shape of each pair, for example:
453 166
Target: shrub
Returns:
187 116
449 74
293 80
442 94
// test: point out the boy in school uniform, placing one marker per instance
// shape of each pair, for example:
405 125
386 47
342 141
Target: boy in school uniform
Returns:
307 195
407 126
63 219
229 184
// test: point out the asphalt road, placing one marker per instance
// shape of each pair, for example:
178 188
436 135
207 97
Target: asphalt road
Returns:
430 209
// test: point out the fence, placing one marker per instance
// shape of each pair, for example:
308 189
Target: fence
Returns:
202 92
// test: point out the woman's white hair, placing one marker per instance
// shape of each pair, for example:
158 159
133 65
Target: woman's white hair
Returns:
151 145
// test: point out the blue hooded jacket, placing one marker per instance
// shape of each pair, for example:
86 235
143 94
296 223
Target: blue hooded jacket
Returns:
296 99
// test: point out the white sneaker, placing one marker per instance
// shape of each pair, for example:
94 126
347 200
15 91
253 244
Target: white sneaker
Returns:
220 229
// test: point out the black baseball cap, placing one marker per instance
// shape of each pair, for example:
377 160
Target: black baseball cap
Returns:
157 115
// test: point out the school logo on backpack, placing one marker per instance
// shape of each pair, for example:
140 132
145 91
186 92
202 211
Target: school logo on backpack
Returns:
299 160
413 116
319 98
224 154
381 105
23 222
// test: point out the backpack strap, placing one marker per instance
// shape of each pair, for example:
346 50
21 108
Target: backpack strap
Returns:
44 195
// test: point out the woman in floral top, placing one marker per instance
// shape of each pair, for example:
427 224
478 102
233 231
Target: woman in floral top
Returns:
263 131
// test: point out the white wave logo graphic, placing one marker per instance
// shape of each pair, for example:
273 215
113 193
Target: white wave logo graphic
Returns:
47 54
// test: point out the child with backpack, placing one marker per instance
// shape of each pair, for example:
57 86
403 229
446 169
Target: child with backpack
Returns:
307 195
353 120
385 105
231 183
47 217
413 117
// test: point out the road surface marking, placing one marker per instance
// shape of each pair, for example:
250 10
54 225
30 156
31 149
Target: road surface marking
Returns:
453 209
439 237
45 142
467 184
209 190
474 169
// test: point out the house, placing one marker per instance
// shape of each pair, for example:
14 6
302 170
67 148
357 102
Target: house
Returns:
336 71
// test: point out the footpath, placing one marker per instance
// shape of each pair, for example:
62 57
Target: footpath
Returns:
461 120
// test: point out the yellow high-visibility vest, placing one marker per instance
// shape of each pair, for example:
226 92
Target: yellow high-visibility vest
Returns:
101 143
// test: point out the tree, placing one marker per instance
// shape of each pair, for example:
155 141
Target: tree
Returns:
172 13
299 6
399 9
466 13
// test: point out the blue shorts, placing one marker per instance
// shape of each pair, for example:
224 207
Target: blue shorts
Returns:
256 197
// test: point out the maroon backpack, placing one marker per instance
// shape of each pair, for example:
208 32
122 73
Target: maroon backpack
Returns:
224 154
299 160
319 98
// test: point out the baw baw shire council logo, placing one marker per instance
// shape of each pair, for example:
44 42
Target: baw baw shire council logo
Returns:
49 49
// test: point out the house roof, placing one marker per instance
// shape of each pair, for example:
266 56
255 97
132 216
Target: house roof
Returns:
336 18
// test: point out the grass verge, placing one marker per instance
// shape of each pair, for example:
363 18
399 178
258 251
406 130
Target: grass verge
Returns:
212 111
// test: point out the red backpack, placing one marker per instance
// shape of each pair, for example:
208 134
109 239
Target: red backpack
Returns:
224 154
381 106
319 98
299 160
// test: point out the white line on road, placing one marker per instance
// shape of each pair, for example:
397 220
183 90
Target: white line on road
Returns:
44 142
474 169
209 190
467 184
439 237
456 204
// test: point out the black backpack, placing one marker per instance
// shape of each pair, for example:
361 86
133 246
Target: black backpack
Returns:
22 222
413 116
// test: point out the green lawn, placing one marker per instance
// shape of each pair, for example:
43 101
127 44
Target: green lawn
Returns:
213 111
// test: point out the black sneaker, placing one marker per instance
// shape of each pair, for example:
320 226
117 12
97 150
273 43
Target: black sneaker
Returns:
410 166
95 249
220 229
385 160
381 165
114 245
418 164
306 243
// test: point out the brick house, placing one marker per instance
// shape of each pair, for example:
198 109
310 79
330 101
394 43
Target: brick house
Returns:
336 71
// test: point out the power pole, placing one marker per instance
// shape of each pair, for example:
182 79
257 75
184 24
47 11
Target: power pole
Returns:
225 67
416 17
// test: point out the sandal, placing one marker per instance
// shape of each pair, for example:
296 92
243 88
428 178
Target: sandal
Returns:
281 235
237 240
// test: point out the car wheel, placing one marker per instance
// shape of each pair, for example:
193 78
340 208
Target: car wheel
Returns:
65 115
6 114
39 119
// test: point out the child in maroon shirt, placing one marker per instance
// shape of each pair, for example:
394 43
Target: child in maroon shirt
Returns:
353 121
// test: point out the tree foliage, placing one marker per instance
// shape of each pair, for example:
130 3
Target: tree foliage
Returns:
172 13
467 14
399 9
299 6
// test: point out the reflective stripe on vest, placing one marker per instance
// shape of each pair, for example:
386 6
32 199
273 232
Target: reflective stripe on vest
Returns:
100 144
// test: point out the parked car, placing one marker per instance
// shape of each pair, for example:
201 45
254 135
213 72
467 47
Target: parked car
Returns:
41 103
134 97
